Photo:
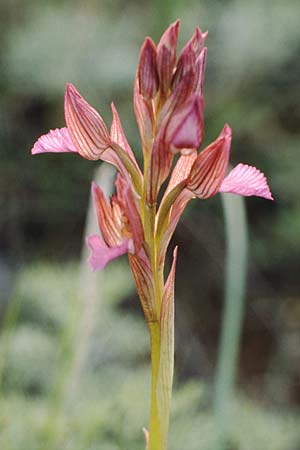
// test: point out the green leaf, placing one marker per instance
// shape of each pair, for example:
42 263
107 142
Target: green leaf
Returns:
166 365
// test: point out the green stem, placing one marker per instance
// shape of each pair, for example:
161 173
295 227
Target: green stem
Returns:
155 436
154 426
235 280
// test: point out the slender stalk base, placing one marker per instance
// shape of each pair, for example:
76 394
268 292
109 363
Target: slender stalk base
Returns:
154 427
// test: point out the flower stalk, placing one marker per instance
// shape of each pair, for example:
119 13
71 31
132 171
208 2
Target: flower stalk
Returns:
141 217
154 422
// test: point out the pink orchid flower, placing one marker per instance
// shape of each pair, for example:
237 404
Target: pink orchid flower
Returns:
169 108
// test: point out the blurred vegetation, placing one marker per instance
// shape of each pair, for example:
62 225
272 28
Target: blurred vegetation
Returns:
107 407
50 398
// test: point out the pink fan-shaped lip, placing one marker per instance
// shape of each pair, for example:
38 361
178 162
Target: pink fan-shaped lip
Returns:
56 141
102 254
247 181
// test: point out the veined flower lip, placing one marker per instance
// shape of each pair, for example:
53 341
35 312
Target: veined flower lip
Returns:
247 181
56 141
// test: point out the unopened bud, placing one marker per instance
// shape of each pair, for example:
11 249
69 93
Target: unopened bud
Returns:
208 170
147 70
166 56
185 129
85 125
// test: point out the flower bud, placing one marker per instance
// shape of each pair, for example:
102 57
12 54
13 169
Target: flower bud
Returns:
188 56
199 72
166 57
185 129
147 70
86 127
208 170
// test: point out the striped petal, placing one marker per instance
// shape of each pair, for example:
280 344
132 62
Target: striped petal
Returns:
144 116
147 70
178 97
166 56
196 43
200 72
188 56
143 278
118 136
159 167
176 212
174 190
246 180
56 141
209 168
129 203
109 217
181 170
102 254
161 157
185 129
86 127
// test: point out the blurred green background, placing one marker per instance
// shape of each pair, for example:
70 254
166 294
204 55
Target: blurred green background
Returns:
74 351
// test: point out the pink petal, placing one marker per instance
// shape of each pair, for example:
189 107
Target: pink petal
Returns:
208 170
196 42
181 170
200 71
55 141
178 97
129 203
86 127
166 56
186 63
109 217
159 167
185 129
188 56
174 191
246 180
176 212
147 70
101 253
144 116
143 277
117 135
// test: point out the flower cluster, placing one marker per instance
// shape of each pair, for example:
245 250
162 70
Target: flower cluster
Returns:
168 100
168 103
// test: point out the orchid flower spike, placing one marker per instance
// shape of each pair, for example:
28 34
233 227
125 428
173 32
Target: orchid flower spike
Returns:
169 108
140 220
